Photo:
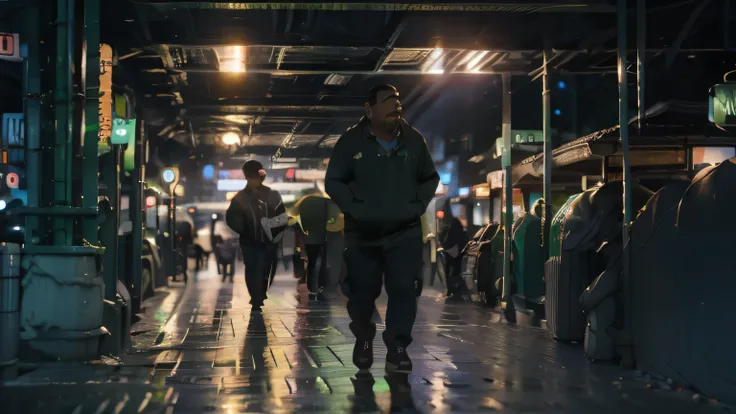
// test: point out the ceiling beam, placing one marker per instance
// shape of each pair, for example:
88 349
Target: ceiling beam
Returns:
307 151
514 6
280 100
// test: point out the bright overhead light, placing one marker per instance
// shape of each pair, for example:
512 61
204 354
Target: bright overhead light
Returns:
232 58
476 59
435 65
230 138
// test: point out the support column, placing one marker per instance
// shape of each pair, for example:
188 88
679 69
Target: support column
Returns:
109 229
32 116
136 213
546 131
63 113
641 45
91 68
623 118
507 186
57 270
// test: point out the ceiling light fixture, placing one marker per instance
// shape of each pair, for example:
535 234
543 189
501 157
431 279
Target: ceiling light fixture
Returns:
436 62
230 139
232 59
476 59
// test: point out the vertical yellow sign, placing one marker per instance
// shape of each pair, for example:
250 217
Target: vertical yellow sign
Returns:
105 102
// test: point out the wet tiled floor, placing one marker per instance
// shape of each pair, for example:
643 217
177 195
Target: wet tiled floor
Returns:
214 356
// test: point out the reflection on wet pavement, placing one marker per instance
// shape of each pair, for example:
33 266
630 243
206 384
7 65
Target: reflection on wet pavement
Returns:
214 355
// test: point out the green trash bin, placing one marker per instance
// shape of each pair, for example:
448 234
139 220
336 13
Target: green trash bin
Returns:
528 263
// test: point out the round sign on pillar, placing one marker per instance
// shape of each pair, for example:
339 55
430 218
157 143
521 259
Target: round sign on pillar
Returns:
170 175
12 180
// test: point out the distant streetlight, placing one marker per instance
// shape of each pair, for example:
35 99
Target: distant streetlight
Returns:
231 138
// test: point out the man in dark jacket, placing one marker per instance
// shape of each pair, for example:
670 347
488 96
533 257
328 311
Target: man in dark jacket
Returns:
382 177
258 215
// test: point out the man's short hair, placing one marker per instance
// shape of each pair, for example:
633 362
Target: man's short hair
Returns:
373 93
251 168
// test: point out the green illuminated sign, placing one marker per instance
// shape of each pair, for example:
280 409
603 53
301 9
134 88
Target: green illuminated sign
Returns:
722 105
122 130
129 154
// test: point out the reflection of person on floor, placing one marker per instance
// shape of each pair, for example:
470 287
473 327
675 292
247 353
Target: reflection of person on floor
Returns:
452 239
382 177
258 215
317 215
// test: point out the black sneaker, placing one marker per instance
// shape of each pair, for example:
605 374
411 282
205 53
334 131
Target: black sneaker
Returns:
363 354
397 360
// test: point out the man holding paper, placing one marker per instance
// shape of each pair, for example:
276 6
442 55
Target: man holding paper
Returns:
258 215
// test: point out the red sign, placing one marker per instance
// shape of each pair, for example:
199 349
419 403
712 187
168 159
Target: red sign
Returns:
12 180
7 44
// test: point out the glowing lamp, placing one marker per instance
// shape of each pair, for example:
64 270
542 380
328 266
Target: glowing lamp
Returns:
3 204
231 138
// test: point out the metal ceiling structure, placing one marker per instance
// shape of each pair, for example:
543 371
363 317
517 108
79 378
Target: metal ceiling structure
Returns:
290 77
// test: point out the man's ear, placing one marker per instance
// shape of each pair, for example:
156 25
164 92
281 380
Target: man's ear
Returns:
368 110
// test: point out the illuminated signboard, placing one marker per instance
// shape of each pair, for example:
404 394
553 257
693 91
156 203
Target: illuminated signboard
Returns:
482 191
129 154
463 192
105 101
230 185
495 179
445 178
722 105
10 47
208 172
122 130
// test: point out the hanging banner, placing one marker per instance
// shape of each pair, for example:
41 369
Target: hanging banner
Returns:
105 101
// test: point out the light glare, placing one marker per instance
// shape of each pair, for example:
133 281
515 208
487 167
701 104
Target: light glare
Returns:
231 138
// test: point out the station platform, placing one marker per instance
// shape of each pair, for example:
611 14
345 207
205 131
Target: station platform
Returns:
201 350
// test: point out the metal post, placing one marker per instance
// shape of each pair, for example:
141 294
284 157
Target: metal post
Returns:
136 213
641 44
507 185
32 106
63 115
546 131
604 170
624 130
172 234
91 68
109 230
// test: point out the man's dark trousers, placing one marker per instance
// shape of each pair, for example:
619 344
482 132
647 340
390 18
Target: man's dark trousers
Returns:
316 266
258 259
397 262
